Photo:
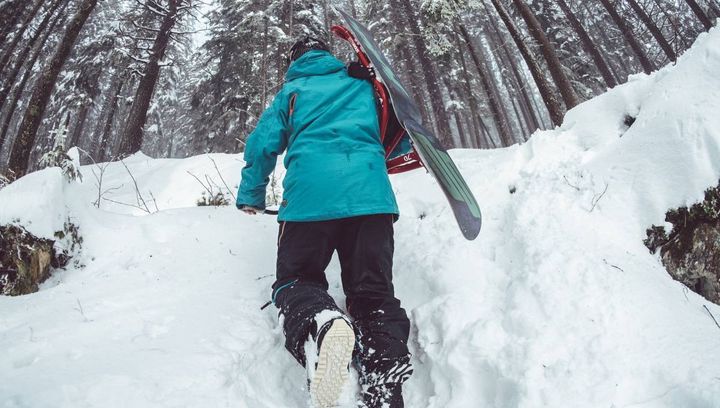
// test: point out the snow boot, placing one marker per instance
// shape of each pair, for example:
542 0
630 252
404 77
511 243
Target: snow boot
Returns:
335 343
382 381
383 396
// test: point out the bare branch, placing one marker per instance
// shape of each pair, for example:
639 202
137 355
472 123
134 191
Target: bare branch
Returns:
711 315
597 198
207 188
125 204
221 178
189 32
138 195
148 8
136 25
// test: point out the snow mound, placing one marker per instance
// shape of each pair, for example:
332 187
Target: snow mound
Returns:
557 303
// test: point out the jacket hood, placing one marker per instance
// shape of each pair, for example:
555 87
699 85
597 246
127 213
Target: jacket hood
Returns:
315 62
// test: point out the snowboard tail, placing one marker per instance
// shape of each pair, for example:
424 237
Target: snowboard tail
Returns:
399 114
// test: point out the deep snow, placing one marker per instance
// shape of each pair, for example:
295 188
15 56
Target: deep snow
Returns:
557 303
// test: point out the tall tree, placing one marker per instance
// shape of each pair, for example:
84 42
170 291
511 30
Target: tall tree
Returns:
14 97
700 14
431 78
548 52
8 51
8 79
627 33
498 111
588 44
169 12
44 86
654 30
10 12
552 103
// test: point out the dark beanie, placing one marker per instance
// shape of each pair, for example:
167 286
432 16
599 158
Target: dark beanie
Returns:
304 45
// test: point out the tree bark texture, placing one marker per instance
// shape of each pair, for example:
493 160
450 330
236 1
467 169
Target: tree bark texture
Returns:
431 79
548 51
496 106
588 44
107 127
10 13
9 80
629 36
133 134
552 103
19 35
43 90
531 117
17 92
700 14
654 30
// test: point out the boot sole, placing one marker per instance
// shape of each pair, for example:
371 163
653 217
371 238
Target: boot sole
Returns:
334 358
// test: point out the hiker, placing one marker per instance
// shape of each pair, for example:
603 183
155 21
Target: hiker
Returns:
337 197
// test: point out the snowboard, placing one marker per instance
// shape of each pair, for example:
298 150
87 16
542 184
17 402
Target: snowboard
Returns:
404 111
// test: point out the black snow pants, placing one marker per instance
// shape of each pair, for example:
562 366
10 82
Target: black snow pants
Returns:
365 248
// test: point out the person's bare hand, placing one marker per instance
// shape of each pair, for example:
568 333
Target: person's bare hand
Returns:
251 210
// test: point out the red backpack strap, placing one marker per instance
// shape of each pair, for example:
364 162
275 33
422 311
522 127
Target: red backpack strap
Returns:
291 104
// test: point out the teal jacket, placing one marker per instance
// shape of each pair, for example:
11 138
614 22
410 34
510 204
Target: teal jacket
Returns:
335 162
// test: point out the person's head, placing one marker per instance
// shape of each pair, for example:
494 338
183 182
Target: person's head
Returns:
305 44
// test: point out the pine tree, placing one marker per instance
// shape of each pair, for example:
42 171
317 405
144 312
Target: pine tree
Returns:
20 154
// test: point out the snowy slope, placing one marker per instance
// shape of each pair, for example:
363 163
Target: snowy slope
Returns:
557 303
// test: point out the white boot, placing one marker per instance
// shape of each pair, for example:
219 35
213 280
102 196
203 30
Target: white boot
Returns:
335 344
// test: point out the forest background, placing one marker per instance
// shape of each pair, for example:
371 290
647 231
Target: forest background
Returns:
176 78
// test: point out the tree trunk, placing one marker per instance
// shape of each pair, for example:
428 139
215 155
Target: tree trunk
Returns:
10 14
588 45
548 51
43 90
646 64
19 35
456 113
551 101
698 11
715 9
108 99
74 139
9 80
673 22
353 9
107 128
530 115
133 133
654 30
467 87
406 58
431 79
17 93
496 107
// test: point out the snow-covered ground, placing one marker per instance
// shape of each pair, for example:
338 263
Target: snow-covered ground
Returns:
556 304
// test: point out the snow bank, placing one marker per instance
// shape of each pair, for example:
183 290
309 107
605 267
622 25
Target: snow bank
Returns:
557 303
